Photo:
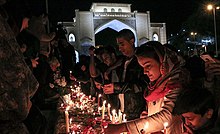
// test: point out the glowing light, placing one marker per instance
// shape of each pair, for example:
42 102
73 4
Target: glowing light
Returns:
146 125
165 124
210 7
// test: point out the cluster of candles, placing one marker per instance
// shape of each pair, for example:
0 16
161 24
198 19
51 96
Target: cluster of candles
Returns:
76 100
83 102
113 115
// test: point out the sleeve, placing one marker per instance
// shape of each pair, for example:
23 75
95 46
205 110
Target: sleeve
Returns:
136 81
17 83
156 121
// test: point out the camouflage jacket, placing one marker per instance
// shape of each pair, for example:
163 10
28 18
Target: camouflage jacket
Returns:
17 83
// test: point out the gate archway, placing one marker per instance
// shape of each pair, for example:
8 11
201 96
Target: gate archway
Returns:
117 26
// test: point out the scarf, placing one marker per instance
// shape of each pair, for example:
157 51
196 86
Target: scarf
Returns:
170 77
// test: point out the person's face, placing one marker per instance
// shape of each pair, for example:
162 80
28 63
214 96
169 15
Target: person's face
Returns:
23 48
126 47
54 67
151 67
195 121
98 85
107 59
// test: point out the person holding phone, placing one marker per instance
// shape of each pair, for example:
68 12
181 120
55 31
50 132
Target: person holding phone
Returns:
212 77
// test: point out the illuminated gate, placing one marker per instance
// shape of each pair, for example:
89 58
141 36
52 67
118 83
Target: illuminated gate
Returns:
86 24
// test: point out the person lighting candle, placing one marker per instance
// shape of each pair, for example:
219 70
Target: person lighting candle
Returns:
166 72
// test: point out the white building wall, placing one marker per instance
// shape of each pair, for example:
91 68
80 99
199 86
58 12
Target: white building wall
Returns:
99 7
85 30
163 34
160 29
142 25
86 26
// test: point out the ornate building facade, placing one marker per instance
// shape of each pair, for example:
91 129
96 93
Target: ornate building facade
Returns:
117 16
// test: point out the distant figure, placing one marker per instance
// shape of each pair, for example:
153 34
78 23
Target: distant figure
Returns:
67 57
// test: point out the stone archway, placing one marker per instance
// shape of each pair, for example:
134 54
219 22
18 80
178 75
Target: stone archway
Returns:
115 25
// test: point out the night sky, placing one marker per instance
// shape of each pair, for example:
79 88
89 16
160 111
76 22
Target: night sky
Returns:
171 12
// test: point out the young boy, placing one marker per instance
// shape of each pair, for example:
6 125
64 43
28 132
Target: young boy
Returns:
198 109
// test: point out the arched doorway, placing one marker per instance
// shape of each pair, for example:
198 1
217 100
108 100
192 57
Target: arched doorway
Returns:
112 27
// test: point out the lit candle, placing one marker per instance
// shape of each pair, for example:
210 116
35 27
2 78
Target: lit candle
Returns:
113 116
109 108
99 109
146 125
70 72
103 109
67 120
71 120
124 118
119 116
99 97
165 127
81 99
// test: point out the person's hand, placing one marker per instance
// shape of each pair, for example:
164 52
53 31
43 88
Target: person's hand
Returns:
108 88
83 68
212 69
188 130
51 85
92 50
72 77
34 62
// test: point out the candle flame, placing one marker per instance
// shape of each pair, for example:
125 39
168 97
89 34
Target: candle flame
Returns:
67 108
104 102
165 124
146 125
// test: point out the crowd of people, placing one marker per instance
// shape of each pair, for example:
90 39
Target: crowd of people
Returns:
152 84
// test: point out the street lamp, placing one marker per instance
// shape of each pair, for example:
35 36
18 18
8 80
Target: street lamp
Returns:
194 35
211 7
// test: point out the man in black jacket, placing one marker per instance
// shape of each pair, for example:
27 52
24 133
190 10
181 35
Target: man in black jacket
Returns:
132 81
